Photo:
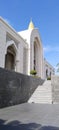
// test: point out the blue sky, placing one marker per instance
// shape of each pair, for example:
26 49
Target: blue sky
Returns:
45 16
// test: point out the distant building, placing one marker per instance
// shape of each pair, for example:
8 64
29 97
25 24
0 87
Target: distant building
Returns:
22 51
48 69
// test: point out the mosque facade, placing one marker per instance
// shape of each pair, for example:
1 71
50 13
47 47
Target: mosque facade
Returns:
23 51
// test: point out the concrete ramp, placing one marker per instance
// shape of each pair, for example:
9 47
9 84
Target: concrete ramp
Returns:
43 94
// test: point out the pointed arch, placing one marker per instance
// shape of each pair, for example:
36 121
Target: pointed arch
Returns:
10 55
36 53
11 43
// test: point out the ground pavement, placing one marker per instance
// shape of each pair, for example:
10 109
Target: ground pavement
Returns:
30 117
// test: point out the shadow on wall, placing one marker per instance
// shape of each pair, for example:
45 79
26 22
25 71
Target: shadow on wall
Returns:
16 125
16 88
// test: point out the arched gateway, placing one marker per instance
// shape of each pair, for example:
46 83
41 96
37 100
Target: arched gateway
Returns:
37 56
10 56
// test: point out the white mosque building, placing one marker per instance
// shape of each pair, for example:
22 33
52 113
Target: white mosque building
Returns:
23 51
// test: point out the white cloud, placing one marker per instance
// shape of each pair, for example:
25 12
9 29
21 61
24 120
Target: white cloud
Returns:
47 48
51 49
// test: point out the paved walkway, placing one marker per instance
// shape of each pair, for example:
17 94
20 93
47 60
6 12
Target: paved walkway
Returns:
30 117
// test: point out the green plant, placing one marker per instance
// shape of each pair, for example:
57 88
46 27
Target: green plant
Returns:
49 78
33 72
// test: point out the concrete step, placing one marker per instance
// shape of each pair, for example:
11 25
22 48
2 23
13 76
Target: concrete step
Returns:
42 94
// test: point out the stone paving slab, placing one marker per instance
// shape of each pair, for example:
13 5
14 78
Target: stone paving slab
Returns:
30 117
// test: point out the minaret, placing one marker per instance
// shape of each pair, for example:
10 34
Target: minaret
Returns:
31 25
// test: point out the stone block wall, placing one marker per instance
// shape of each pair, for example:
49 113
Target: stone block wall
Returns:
55 88
16 88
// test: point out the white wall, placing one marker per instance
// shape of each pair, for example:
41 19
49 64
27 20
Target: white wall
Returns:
34 35
2 45
48 67
5 31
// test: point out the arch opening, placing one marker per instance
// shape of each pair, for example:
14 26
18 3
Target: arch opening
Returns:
46 73
10 58
37 56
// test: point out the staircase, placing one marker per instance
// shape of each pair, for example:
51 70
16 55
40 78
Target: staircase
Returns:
42 94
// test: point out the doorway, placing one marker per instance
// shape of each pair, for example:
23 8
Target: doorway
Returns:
10 58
